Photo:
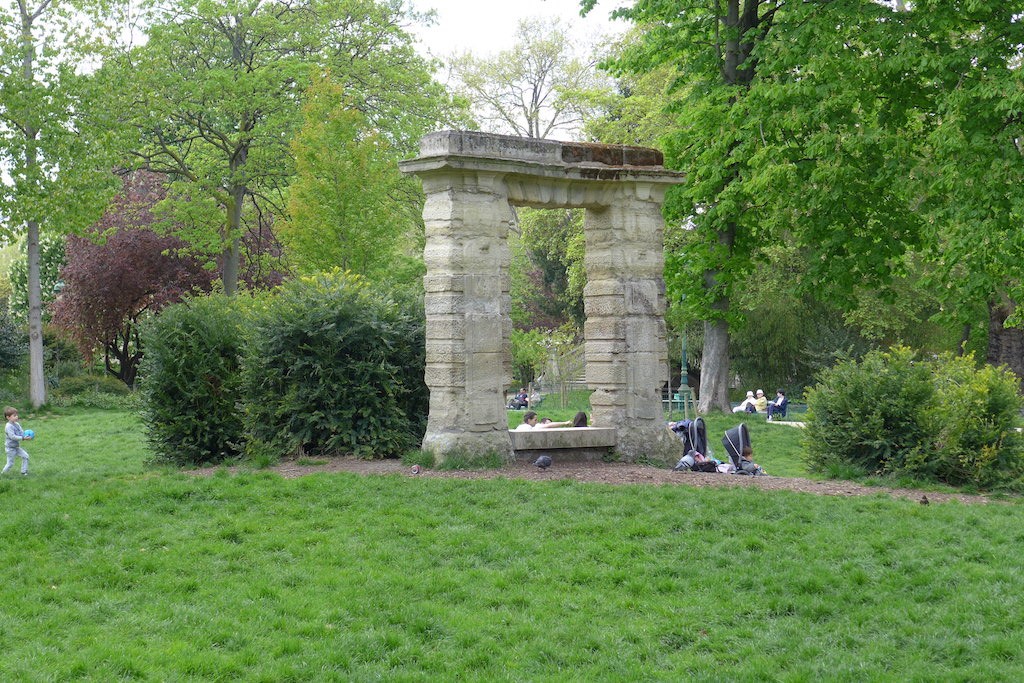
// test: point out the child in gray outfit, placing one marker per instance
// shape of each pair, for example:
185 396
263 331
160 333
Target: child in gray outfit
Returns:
15 436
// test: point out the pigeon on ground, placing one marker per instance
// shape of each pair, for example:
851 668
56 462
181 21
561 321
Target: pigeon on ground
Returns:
543 462
924 500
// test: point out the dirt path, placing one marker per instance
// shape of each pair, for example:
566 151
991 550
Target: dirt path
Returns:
611 473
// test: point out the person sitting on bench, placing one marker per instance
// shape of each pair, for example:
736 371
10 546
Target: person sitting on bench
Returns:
778 406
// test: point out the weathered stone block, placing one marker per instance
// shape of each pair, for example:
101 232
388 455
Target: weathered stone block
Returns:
605 306
444 304
604 328
642 336
604 374
483 335
609 287
597 350
443 282
643 298
445 375
449 327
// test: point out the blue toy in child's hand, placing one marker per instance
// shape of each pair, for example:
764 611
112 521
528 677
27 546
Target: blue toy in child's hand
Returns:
29 434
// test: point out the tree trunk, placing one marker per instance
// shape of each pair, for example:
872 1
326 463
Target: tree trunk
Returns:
714 369
231 256
737 69
37 376
1005 345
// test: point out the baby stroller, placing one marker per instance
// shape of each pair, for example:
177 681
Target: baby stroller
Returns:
694 435
735 440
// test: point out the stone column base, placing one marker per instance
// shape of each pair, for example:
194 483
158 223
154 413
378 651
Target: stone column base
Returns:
654 444
472 445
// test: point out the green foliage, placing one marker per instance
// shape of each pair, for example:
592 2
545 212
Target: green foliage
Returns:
100 384
974 420
419 457
191 381
51 260
934 420
548 273
536 89
8 254
349 207
529 355
224 132
333 367
467 460
87 390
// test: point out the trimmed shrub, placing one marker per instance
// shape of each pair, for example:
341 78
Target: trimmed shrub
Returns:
332 367
99 384
190 380
940 420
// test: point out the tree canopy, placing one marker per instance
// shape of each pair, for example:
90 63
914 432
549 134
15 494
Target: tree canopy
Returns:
216 92
813 124
120 273
538 88
57 165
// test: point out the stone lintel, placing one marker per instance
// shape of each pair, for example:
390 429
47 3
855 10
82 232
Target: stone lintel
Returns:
470 150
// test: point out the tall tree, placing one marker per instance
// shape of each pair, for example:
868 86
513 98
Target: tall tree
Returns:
972 170
121 272
217 91
787 117
57 173
349 206
536 89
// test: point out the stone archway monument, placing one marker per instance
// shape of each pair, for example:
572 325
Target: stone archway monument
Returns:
471 181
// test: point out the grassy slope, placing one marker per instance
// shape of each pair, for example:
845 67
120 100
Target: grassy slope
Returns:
113 570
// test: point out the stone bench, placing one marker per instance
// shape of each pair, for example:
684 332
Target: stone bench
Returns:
566 443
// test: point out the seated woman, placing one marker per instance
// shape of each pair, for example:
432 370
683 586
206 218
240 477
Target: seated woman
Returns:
747 406
529 422
778 406
760 402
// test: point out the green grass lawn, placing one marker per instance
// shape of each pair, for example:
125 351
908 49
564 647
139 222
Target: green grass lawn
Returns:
114 570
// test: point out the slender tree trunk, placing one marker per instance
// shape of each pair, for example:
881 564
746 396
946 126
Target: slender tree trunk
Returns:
231 256
37 378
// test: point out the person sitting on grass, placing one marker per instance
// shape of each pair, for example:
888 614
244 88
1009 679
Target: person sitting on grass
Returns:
520 400
747 463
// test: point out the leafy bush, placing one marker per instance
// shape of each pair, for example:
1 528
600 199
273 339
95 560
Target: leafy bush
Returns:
191 382
100 384
940 420
974 423
332 367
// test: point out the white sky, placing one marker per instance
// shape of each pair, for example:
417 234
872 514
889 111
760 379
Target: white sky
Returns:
485 27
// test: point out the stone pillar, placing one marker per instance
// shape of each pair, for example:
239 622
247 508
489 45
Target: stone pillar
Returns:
624 300
468 327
